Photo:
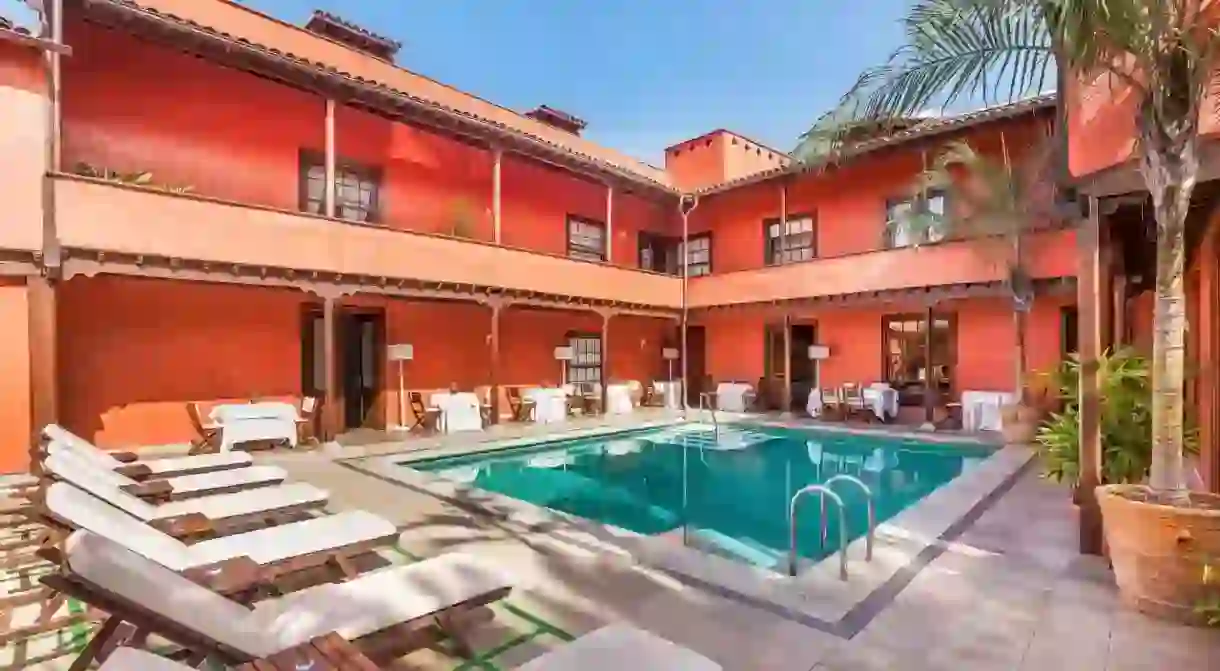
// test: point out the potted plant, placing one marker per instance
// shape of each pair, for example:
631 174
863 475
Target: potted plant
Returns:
1159 58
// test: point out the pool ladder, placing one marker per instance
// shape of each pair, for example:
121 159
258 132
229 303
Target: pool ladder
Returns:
705 401
824 492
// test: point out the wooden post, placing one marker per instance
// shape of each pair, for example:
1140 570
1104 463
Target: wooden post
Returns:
44 377
787 392
497 157
609 224
605 365
783 221
929 392
494 342
328 193
331 412
1089 243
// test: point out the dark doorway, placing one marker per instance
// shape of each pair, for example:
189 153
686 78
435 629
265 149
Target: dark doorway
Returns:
804 372
1069 332
359 362
696 366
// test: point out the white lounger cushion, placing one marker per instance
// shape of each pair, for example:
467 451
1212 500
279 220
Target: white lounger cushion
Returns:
619 647
355 608
201 462
185 484
264 546
99 482
132 659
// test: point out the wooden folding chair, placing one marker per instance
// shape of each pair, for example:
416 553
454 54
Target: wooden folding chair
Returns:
207 439
520 407
854 405
425 417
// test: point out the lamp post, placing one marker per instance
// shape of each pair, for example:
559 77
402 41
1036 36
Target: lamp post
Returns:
686 204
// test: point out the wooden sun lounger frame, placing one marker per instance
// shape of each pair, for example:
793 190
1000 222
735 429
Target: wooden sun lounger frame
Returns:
379 648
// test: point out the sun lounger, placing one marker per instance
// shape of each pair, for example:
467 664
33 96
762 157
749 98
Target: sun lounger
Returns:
229 563
385 613
618 647
130 465
186 516
611 648
184 486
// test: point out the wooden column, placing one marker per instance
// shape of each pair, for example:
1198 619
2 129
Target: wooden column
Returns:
786 396
929 392
605 366
328 193
1089 244
493 342
44 375
1208 358
496 159
332 414
1119 311
783 220
610 224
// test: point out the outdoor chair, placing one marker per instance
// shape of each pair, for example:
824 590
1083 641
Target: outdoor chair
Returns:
130 465
384 614
832 404
307 426
854 405
207 439
425 417
520 407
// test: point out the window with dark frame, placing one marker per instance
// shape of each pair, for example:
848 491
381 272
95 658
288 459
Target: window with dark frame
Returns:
798 244
357 188
586 239
900 213
698 256
586 364
904 365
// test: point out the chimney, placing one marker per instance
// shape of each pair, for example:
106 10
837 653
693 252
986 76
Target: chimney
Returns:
557 119
330 26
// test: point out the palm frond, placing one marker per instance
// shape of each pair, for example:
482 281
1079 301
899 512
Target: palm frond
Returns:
996 50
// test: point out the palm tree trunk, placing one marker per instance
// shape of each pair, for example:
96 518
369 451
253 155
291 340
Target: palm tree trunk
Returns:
1170 166
1019 320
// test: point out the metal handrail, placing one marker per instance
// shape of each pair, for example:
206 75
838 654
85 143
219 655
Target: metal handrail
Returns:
824 492
706 395
872 512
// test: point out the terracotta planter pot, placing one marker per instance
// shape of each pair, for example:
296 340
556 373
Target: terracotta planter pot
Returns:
1020 423
1159 551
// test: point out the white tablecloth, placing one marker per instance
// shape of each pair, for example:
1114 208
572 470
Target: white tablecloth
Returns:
731 396
459 412
550 405
618 400
245 422
882 400
981 409
672 391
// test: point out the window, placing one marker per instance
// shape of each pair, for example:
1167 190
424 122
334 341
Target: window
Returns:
903 226
586 364
699 257
905 366
356 188
798 243
586 239
659 253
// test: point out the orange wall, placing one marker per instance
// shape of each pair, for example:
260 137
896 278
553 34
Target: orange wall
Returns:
134 106
697 163
15 402
848 202
23 123
133 352
985 341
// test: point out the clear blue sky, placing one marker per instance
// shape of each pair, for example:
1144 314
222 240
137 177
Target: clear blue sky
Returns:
645 74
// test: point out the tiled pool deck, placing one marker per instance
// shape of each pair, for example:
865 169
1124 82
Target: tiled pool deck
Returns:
1002 589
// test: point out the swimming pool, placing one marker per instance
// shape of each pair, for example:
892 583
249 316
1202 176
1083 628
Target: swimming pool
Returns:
731 494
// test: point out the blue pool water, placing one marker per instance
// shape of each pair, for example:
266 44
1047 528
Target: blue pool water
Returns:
733 494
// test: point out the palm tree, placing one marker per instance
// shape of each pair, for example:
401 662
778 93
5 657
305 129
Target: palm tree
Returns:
1161 53
995 204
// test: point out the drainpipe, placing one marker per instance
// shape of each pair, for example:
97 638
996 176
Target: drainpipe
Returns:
686 204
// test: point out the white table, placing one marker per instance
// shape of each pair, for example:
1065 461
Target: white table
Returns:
246 422
461 411
672 391
731 396
981 409
618 400
550 405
